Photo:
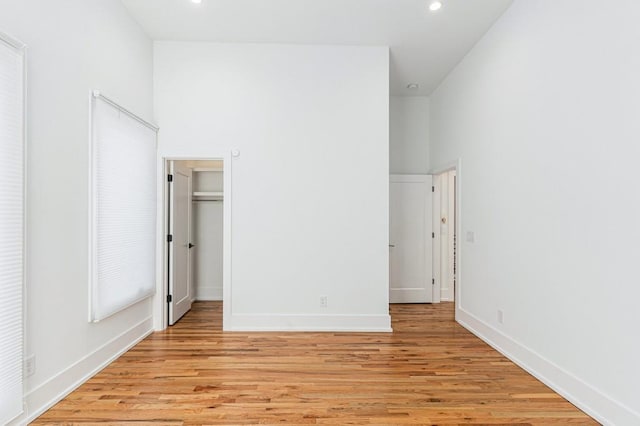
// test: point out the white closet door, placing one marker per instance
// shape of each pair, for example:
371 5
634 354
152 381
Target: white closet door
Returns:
11 227
410 248
180 246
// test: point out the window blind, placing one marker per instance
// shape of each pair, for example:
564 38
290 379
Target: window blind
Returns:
123 205
11 227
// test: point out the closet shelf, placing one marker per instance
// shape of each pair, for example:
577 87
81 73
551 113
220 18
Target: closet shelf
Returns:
207 195
207 169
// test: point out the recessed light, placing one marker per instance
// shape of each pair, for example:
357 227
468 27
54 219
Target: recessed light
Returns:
196 1
413 86
435 6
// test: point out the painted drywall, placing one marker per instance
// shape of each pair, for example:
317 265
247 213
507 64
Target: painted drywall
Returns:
309 189
74 46
409 135
543 114
207 254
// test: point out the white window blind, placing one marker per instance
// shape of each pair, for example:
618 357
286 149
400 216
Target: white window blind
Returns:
123 208
11 226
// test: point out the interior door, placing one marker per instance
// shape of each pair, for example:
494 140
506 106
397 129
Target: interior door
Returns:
180 195
410 234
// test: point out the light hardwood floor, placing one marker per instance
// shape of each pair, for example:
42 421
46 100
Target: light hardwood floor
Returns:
429 370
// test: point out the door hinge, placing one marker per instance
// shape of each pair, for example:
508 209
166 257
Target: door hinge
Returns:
433 189
170 178
169 238
169 298
433 235
433 281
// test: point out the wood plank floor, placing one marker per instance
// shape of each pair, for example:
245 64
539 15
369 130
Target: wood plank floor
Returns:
428 371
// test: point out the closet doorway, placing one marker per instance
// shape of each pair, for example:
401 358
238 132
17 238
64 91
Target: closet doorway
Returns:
195 234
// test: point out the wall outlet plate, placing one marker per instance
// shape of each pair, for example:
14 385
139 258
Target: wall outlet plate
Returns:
30 366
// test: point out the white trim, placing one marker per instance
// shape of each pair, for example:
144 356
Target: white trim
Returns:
437 239
457 291
227 232
301 322
25 231
47 394
592 401
449 292
160 308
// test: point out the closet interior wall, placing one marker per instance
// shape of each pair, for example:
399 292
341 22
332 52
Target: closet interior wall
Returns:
206 230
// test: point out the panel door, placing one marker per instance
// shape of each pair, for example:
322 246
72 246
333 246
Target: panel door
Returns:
410 239
179 250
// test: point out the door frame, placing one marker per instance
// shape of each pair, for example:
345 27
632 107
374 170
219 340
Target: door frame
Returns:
160 307
445 167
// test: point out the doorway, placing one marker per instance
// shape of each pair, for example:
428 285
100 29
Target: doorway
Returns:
194 211
445 242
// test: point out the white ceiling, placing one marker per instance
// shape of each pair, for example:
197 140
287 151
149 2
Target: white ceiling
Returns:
425 46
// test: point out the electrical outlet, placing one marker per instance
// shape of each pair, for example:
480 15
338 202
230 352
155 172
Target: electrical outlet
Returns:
30 366
500 316
323 301
471 237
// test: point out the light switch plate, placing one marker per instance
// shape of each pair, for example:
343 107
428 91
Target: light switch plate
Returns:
471 238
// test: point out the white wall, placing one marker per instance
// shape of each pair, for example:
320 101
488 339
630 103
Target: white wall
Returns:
207 255
409 135
544 115
74 46
310 187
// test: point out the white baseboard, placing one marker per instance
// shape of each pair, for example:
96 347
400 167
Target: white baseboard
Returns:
592 401
337 323
44 396
208 293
